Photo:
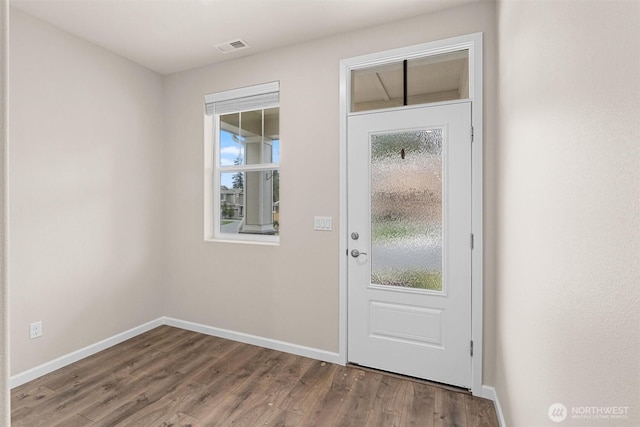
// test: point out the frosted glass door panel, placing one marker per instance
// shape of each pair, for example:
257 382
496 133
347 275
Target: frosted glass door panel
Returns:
406 209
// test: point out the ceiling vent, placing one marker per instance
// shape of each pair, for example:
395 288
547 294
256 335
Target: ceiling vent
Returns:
232 46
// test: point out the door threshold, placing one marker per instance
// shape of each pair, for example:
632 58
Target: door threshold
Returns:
414 379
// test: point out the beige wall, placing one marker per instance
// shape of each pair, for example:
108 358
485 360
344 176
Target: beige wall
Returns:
4 139
289 292
568 327
86 172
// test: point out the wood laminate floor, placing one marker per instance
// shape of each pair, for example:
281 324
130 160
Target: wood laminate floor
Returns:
173 377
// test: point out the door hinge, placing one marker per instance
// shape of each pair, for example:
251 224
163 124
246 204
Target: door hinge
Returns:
471 348
471 133
471 240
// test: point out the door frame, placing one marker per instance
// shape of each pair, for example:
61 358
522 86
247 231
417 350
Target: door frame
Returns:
472 42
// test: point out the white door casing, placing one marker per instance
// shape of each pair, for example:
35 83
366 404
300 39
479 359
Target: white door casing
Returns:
415 332
474 44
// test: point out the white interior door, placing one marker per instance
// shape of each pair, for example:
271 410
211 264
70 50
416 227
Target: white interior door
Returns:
409 268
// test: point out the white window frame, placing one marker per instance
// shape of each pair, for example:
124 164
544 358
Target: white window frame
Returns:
246 99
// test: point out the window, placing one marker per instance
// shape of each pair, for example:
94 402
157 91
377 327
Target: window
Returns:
419 80
242 164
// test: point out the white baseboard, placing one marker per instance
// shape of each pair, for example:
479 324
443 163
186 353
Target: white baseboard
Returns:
60 362
272 344
489 392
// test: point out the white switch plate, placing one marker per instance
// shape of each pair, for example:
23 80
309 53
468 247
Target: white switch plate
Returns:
322 223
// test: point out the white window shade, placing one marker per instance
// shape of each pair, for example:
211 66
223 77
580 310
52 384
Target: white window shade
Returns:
244 99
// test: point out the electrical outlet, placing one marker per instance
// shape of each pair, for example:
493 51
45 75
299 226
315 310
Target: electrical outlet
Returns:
35 329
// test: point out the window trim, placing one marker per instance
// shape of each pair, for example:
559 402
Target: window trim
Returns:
212 168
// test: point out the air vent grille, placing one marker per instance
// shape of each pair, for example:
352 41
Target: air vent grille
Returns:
232 46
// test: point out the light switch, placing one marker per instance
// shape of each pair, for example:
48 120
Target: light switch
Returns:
322 223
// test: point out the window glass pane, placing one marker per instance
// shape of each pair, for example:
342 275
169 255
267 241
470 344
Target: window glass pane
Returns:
433 78
231 201
272 133
377 87
406 209
250 202
250 137
438 78
231 146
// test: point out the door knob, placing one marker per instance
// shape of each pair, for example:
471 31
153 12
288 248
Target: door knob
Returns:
356 253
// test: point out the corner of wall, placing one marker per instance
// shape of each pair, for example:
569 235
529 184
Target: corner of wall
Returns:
4 142
489 392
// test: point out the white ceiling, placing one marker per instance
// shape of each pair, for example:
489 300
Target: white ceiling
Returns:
168 36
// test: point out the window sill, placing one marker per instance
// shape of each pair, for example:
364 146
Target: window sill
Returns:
244 242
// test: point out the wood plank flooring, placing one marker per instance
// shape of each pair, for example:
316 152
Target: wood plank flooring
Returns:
173 377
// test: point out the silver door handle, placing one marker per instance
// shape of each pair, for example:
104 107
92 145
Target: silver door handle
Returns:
356 253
